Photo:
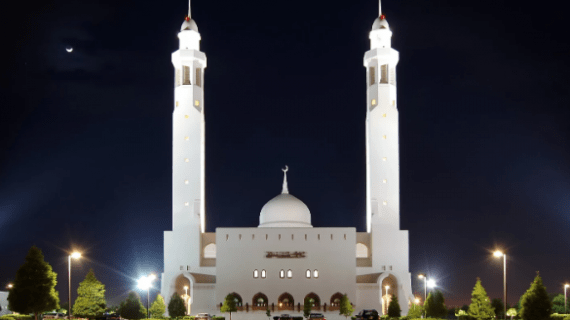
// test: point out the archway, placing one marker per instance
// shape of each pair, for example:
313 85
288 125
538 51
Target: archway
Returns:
389 289
286 302
361 250
259 301
183 287
210 251
237 299
314 300
335 299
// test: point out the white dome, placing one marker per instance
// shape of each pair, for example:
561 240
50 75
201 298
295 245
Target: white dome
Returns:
189 25
285 211
380 23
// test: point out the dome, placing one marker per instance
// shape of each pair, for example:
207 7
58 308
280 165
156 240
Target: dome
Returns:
380 23
189 24
285 211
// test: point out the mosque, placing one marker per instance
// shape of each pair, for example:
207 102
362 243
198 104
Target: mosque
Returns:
283 260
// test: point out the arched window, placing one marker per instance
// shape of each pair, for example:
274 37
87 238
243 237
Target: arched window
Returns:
289 274
361 250
285 301
255 273
282 274
263 274
314 300
315 273
308 274
210 251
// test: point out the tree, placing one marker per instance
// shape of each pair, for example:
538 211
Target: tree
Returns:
229 305
435 305
176 307
480 307
461 314
498 307
535 302
34 286
415 311
158 308
394 310
512 312
90 301
307 307
558 304
132 307
345 309
268 313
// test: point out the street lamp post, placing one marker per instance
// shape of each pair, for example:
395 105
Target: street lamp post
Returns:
565 287
145 283
74 255
499 254
423 276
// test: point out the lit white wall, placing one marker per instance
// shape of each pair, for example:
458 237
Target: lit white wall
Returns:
4 303
238 258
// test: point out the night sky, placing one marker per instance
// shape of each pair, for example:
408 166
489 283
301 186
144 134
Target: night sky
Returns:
85 142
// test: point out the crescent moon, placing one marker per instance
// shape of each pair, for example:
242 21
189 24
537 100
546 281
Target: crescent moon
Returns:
286 169
69 49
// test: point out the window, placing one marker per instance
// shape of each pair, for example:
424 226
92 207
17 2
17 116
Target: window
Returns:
187 268
227 237
390 267
279 237
255 273
187 138
239 236
186 160
308 274
384 159
384 73
292 237
197 103
384 115
263 274
181 268
385 202
331 236
316 273
186 182
385 180
266 236
361 250
384 268
319 236
384 137
186 75
372 75
393 102
199 77
177 78
186 116
373 102
177 103
345 236
252 236
282 274
289 274
210 251
186 204
305 237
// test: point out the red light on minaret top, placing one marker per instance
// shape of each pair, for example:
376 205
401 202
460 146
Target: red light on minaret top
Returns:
187 18
382 16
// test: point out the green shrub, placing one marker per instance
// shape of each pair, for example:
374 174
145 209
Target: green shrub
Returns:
16 317
218 318
296 318
557 316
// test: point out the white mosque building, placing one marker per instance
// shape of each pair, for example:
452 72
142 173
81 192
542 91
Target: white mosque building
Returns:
285 259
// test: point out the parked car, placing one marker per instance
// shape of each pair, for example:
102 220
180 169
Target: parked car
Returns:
203 316
317 316
283 317
109 316
53 315
368 314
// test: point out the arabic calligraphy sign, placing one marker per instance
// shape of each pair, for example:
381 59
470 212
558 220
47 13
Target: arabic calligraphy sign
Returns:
285 254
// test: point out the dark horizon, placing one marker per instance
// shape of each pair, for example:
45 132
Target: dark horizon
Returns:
85 154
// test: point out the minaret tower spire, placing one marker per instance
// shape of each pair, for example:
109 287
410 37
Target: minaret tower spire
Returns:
285 186
379 7
382 154
190 9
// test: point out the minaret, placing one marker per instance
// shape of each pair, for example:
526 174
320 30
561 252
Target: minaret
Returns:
188 131
382 154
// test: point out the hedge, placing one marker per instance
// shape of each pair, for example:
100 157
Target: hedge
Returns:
16 317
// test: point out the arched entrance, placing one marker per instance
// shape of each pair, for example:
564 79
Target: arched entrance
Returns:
335 299
184 289
286 302
389 289
237 299
259 301
314 300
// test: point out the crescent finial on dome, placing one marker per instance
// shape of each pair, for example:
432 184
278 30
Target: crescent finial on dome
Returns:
285 187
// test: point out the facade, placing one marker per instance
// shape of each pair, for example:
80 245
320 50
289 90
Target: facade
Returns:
285 259
4 303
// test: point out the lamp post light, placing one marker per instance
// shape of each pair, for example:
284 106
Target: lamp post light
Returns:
145 283
74 255
499 254
417 301
187 298
565 287
10 286
423 276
